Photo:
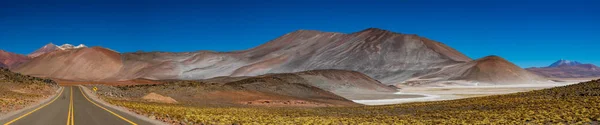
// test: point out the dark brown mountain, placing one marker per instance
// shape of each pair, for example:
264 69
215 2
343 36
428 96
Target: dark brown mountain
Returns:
567 69
11 60
381 54
308 88
345 83
490 70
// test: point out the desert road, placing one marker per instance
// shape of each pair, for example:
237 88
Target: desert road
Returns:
72 107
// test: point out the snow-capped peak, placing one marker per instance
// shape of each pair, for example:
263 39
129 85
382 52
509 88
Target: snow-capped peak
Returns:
563 62
69 46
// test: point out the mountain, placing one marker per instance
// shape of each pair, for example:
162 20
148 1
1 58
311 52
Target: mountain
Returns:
11 60
567 69
490 70
381 54
386 56
45 49
51 47
563 62
76 64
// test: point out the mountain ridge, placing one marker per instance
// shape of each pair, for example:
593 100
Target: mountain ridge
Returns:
384 55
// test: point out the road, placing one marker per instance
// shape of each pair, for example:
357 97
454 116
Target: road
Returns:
73 107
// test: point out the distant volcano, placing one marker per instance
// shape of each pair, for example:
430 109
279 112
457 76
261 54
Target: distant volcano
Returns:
563 62
567 69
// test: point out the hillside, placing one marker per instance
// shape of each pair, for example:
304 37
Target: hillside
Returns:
490 70
317 88
344 83
19 90
11 60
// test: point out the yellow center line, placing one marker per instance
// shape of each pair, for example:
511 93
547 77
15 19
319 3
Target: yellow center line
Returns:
115 114
70 99
71 116
14 120
72 110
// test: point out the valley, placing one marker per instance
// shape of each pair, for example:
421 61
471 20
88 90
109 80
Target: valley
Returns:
373 76
299 62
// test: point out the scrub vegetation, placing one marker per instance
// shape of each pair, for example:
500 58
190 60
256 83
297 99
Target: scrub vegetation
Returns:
18 91
572 104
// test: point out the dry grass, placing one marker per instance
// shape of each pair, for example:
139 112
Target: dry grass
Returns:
18 91
572 104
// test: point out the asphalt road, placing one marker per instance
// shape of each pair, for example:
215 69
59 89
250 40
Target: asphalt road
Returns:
72 107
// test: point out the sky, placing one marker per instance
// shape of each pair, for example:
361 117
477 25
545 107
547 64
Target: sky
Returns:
525 32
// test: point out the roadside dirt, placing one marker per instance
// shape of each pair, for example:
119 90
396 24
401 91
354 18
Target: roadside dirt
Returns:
153 97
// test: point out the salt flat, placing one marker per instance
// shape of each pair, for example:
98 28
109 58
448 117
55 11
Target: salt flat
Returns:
458 92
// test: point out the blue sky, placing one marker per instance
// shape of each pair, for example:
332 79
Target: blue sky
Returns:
527 33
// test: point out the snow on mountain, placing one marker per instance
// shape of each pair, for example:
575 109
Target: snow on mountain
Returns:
51 47
69 46
567 69
563 62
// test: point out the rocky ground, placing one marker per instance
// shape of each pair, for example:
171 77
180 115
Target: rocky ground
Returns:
18 91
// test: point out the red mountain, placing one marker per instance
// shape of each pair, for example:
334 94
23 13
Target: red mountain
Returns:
11 60
76 64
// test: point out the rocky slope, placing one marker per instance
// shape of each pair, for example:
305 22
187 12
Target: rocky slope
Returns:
11 60
345 83
567 69
18 91
490 70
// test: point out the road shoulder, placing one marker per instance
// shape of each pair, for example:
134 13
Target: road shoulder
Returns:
95 98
